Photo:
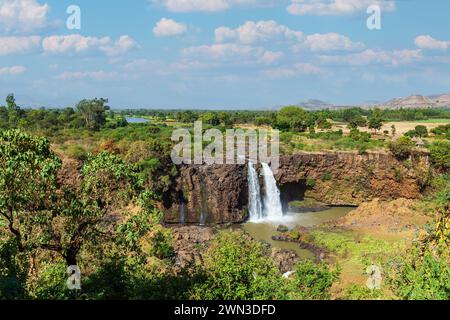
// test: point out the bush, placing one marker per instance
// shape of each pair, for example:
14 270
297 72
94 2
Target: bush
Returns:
77 152
310 183
311 281
359 292
51 283
237 269
421 276
440 154
402 147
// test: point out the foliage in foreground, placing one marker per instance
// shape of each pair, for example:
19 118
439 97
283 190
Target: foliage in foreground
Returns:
421 275
237 268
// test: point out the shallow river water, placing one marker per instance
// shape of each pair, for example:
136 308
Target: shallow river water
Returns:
264 230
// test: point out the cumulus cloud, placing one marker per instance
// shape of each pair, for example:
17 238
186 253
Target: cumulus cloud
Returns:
232 51
370 56
428 42
76 43
120 47
94 75
207 5
329 42
12 71
336 7
15 45
168 27
251 32
23 15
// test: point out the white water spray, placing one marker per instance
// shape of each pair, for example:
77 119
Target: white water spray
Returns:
254 194
272 201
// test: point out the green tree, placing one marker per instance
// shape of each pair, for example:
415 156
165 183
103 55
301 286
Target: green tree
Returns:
393 130
27 185
292 118
211 118
421 131
375 123
93 112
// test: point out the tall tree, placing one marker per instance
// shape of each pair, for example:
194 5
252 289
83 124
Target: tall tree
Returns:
93 112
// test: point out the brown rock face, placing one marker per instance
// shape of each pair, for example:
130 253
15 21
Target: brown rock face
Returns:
208 194
219 193
349 178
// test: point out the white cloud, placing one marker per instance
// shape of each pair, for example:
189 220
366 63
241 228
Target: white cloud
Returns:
428 42
206 5
232 51
72 43
251 32
120 47
264 31
270 57
293 71
328 42
370 56
168 27
94 75
14 45
23 15
336 7
13 71
76 43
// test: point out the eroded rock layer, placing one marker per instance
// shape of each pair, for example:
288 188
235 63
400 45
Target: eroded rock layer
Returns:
219 193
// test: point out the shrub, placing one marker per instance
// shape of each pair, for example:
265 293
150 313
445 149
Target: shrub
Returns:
311 183
421 276
440 154
77 152
311 281
402 147
237 269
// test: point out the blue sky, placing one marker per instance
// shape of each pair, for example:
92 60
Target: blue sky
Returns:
222 53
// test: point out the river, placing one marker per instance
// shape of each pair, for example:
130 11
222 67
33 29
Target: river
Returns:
136 120
264 230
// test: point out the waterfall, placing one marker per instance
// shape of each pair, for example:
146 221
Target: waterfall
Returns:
254 194
182 212
204 199
272 202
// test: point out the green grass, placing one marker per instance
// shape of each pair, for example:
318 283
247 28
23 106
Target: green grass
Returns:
354 247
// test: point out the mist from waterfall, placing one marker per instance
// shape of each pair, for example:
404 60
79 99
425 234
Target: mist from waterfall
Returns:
254 194
272 209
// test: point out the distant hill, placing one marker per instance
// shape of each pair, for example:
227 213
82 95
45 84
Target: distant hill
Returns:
418 101
411 102
315 104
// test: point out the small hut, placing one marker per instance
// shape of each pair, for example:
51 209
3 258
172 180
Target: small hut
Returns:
419 142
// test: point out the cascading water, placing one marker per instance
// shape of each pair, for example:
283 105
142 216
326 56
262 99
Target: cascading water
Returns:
272 201
254 194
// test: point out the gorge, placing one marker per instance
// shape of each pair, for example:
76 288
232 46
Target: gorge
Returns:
219 194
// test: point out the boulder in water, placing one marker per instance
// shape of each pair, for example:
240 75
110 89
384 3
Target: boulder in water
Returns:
282 228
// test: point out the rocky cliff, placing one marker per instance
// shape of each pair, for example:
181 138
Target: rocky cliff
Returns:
218 194
350 179
208 194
